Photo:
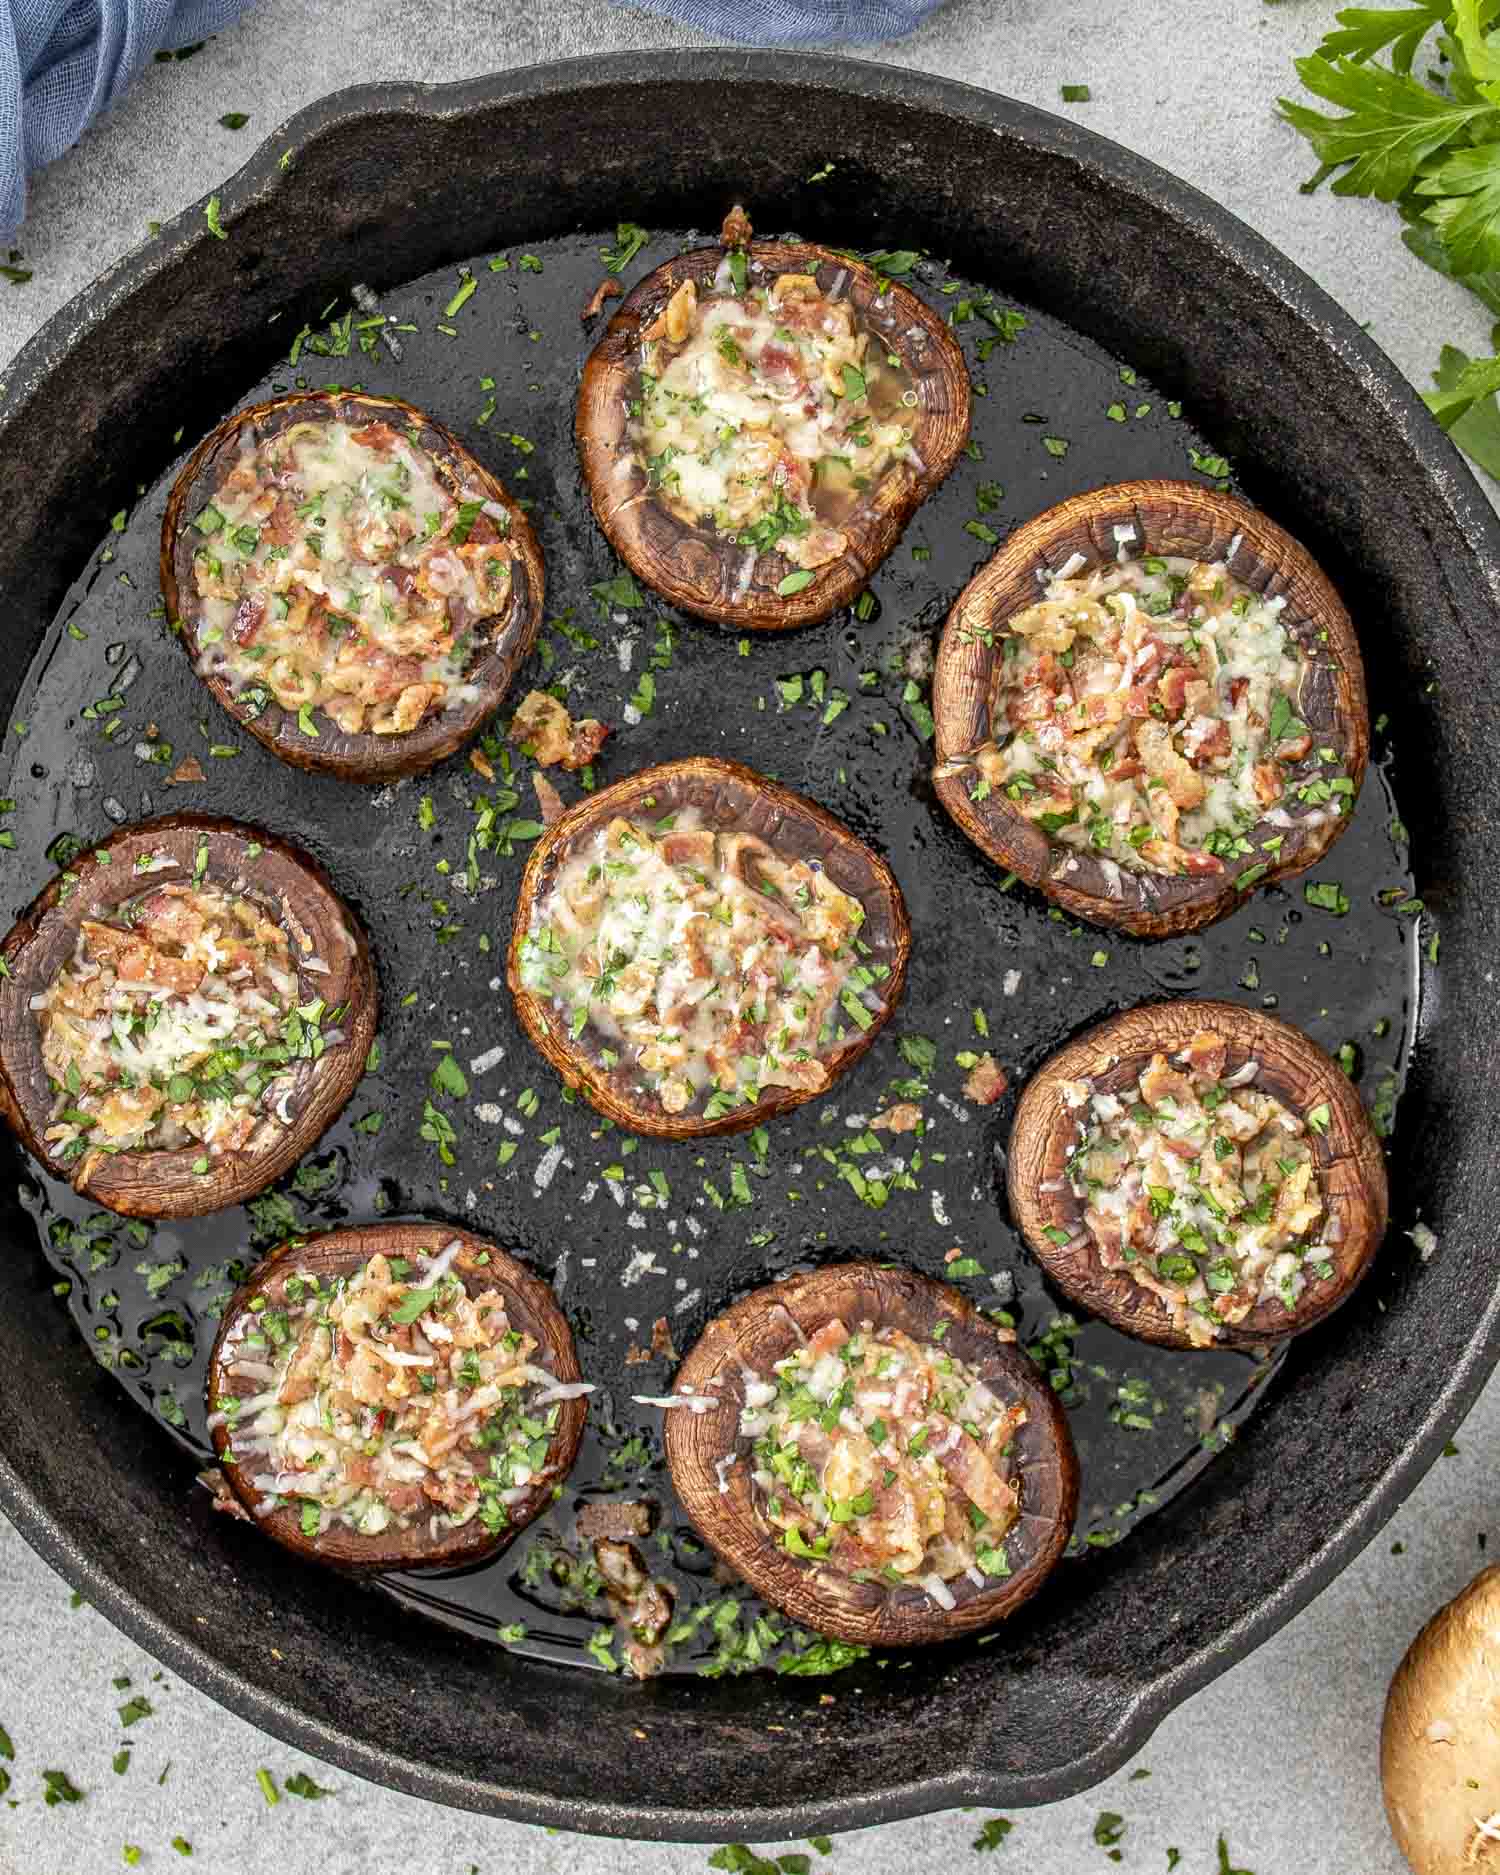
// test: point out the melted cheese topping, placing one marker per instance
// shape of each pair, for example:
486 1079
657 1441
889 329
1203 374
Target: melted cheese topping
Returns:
334 571
766 412
885 1456
701 961
174 1021
1146 711
1205 1190
386 1398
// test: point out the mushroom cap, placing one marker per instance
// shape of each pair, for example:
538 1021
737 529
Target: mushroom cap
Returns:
729 796
1440 1737
761 1329
531 1307
695 567
365 756
99 880
1169 518
1351 1164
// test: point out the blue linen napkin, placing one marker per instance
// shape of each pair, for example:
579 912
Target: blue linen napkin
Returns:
64 61
797 22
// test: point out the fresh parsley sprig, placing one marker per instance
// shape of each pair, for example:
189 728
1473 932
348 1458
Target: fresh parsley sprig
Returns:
1431 146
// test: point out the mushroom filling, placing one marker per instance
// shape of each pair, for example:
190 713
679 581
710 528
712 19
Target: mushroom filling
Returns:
767 411
1202 1186
334 571
1146 711
387 1399
702 961
175 1021
886 1457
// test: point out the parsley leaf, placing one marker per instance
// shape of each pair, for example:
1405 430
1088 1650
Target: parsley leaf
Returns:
629 240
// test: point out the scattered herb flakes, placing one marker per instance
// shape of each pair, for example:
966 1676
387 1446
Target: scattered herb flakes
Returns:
182 1845
1076 94
211 216
449 1078
467 288
136 1708
235 120
1109 1827
993 1833
301 1785
58 1788
1327 895
618 594
630 238
917 1052
267 1784
1225 1867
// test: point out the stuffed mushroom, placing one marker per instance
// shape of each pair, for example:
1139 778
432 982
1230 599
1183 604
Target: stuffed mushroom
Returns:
696 948
1150 701
759 422
1199 1174
352 585
874 1456
183 1013
394 1396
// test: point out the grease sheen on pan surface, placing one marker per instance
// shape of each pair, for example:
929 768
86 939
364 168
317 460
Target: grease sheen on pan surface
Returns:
836 712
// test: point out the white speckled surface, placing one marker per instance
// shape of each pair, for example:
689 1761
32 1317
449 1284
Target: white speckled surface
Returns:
1279 1754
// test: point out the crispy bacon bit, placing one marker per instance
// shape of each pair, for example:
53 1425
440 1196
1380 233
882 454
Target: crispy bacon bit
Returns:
188 769
1207 1054
217 1486
614 1521
247 619
543 726
607 289
736 231
661 1339
986 1082
549 802
904 1117
378 436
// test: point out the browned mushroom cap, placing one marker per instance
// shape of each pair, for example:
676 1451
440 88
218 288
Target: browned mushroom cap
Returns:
728 796
1167 518
1350 1163
366 756
531 1308
721 1498
184 848
696 567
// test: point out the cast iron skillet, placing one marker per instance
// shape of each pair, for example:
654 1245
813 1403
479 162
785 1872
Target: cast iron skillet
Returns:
1325 434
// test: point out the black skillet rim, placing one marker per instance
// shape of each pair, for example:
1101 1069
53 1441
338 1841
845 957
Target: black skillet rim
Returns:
61 1537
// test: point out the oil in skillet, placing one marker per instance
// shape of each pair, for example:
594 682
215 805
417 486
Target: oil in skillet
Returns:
836 712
